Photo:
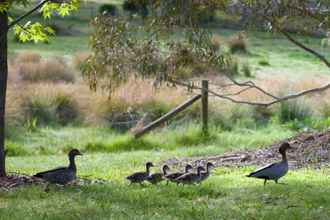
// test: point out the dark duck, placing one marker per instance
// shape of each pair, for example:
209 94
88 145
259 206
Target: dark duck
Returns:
140 177
156 178
62 175
207 173
191 178
173 176
274 171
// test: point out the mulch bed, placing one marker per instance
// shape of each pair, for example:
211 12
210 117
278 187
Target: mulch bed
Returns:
14 180
311 149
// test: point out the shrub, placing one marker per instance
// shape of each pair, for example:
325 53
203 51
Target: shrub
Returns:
39 109
294 111
60 109
51 70
108 9
238 43
154 108
261 115
66 109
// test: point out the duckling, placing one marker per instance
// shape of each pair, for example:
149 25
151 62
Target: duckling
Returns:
191 178
139 177
172 176
158 177
62 175
274 171
206 174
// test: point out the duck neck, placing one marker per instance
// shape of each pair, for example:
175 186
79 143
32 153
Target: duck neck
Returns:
72 164
165 171
148 169
284 156
199 172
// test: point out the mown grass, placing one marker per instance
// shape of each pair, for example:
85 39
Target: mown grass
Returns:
228 194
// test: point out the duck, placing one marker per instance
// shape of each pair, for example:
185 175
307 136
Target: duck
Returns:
206 174
274 171
191 178
158 177
62 175
173 176
140 177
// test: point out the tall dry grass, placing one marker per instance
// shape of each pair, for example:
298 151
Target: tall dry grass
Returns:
31 67
139 97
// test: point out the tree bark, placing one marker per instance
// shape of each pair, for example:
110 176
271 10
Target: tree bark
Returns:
3 87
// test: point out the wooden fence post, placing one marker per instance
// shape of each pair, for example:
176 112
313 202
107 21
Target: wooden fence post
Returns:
205 88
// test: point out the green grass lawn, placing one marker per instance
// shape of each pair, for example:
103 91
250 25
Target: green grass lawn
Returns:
227 194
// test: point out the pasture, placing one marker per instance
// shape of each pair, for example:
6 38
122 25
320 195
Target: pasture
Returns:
51 110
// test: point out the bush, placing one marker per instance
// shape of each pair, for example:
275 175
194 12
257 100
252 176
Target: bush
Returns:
42 110
294 111
238 43
51 70
39 109
108 9
66 109
261 115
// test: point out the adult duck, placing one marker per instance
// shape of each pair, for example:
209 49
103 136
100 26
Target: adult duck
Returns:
140 177
207 173
173 176
155 178
276 170
191 178
62 175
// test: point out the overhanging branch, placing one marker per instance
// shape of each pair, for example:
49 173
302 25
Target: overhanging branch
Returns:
263 104
19 19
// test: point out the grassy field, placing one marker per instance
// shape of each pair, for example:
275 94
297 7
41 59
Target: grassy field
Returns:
227 194
110 155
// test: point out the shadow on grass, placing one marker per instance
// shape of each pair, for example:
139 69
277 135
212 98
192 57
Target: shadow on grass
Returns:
211 200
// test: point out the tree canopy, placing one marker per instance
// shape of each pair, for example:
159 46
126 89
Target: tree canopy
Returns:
123 47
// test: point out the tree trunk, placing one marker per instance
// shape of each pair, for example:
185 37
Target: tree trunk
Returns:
3 87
